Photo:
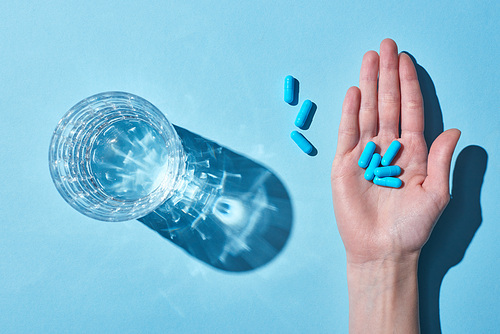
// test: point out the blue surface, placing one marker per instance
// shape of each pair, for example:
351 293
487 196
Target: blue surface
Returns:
217 69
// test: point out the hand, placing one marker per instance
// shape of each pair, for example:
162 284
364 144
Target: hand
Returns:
378 223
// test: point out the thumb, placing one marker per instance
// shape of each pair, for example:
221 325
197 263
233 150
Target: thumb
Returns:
438 163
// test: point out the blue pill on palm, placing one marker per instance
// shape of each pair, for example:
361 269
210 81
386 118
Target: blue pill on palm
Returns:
367 154
391 152
381 175
392 182
374 163
387 171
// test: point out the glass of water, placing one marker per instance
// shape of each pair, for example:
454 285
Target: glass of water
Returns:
114 156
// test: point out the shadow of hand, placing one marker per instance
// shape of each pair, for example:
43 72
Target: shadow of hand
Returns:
460 220
452 234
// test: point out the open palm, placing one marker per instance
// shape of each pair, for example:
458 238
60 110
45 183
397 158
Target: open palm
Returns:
378 222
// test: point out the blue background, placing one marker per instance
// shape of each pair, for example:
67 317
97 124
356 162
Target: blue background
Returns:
217 69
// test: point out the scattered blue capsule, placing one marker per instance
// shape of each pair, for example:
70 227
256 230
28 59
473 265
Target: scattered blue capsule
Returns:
391 153
392 182
289 89
374 163
303 115
367 154
387 171
302 142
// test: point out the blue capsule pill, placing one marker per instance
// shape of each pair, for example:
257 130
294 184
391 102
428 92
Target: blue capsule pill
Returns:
374 163
303 115
391 153
366 156
302 142
289 89
392 182
387 171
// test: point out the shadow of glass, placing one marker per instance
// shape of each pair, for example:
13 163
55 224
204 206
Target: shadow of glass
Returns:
233 213
460 220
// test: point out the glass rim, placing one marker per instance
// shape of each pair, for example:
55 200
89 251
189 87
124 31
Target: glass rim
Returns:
70 146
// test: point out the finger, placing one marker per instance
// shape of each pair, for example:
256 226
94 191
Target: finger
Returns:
368 86
438 164
412 104
388 93
349 125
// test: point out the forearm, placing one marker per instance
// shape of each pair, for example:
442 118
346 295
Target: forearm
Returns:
383 296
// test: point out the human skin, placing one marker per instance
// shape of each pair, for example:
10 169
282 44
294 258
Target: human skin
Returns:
384 229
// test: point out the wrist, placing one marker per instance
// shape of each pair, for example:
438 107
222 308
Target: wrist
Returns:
385 261
386 292
381 256
389 273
